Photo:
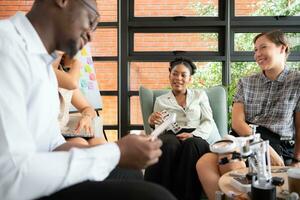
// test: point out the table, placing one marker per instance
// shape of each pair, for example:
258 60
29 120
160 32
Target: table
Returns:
228 189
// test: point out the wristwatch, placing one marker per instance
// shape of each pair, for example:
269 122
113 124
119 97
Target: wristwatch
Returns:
296 160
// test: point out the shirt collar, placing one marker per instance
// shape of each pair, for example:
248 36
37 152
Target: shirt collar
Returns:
29 35
170 93
281 78
172 97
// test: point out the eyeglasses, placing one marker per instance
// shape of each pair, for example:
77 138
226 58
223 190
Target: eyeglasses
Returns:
93 23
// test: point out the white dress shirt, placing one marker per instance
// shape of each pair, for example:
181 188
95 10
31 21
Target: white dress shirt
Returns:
197 113
29 129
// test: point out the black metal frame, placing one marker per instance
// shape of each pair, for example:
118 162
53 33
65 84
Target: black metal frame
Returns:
225 24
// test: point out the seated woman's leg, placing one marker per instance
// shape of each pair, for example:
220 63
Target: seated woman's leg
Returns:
186 184
78 140
96 141
209 172
161 172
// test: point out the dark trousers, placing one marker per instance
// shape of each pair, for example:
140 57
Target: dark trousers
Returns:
176 169
120 184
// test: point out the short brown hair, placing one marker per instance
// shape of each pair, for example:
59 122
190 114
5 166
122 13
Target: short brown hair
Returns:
277 37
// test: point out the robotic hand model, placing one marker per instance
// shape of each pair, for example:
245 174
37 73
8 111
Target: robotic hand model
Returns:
256 151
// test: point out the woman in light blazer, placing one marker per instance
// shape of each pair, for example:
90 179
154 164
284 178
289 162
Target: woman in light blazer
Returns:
181 150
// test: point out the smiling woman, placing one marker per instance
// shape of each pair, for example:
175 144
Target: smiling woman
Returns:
181 149
269 99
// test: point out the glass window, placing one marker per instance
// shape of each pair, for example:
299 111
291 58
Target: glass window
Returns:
135 111
112 135
171 8
155 75
244 41
239 70
110 110
104 42
107 75
267 8
293 65
208 74
108 10
176 42
9 8
137 132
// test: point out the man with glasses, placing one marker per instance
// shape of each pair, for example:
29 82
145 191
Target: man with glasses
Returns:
35 160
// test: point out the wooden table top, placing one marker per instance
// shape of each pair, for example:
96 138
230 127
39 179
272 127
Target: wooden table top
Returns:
230 191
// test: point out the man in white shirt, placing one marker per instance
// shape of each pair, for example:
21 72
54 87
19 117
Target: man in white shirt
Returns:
35 160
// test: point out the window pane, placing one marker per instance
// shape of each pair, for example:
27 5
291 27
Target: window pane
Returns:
108 10
208 74
110 110
171 8
104 42
176 42
155 75
267 8
112 135
136 132
293 65
135 111
244 41
107 75
10 7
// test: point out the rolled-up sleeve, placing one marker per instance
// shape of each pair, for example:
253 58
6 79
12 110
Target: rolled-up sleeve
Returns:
239 95
27 170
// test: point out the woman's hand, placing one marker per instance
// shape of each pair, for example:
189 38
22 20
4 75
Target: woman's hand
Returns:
155 118
184 136
84 123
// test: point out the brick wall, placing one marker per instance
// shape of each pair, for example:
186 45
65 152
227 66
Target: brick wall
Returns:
146 8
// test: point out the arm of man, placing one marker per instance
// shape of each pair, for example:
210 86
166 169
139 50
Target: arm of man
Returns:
239 124
28 167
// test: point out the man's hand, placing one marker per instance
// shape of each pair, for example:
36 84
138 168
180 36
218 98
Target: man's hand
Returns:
138 152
